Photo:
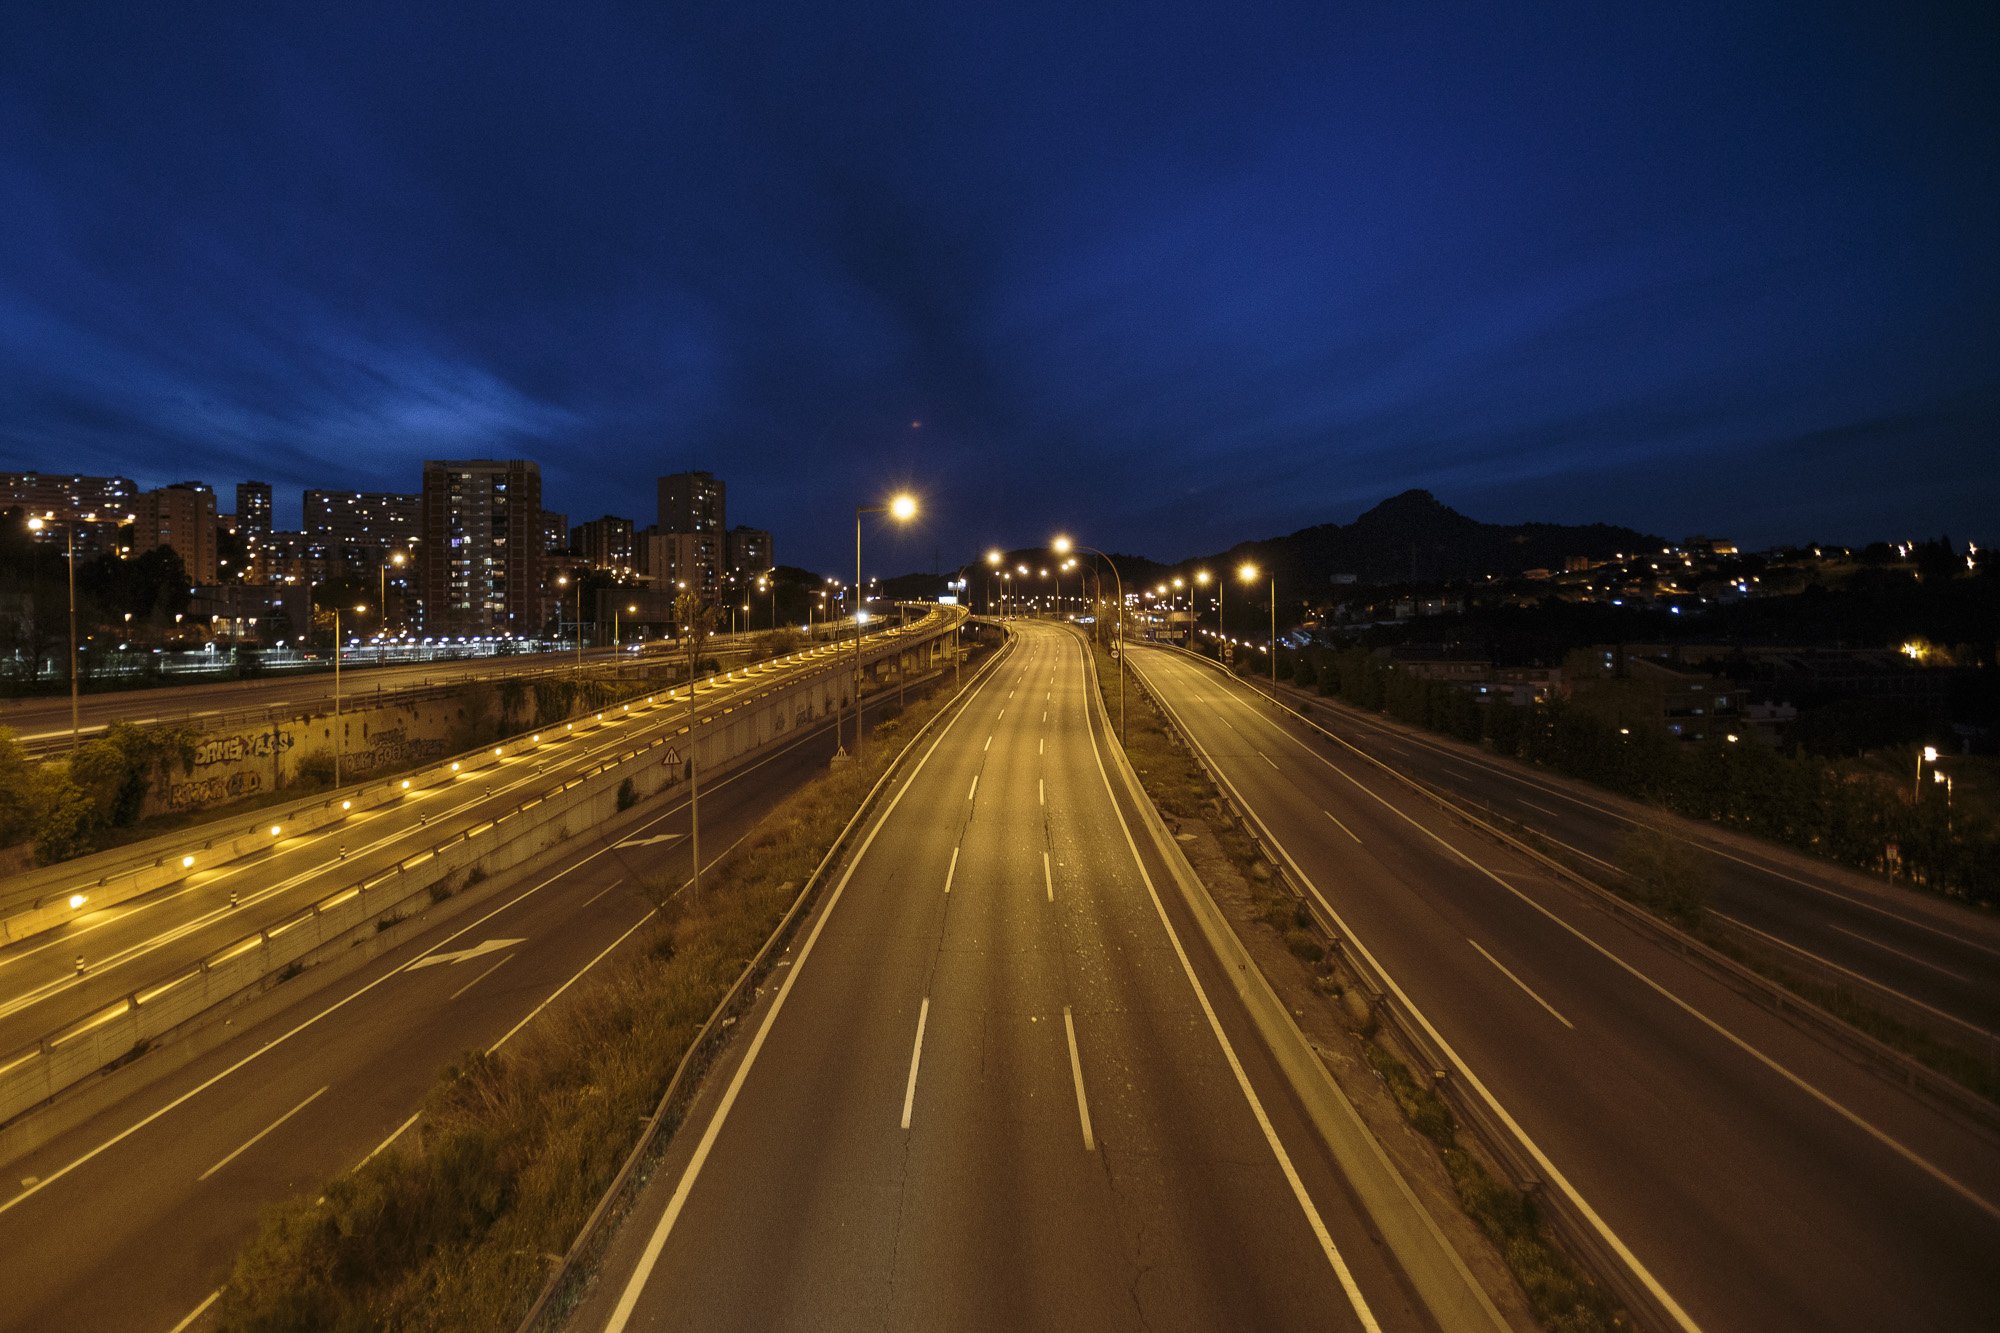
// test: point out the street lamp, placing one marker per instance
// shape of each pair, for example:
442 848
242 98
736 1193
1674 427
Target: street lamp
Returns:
398 559
1927 755
993 559
901 507
1063 546
1201 579
69 547
1249 573
339 741
563 581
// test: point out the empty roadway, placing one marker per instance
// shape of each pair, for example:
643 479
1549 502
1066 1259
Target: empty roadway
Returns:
987 1092
1760 1178
1934 952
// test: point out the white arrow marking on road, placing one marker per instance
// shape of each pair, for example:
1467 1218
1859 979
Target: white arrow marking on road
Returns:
648 842
463 955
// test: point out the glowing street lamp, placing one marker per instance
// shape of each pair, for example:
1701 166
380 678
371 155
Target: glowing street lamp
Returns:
1249 573
69 546
339 740
902 507
1063 546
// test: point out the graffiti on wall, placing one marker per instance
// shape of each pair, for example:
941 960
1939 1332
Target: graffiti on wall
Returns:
236 749
393 749
207 791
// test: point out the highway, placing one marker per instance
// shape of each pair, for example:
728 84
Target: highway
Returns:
131 1219
42 721
999 1085
1939 956
132 945
1752 1177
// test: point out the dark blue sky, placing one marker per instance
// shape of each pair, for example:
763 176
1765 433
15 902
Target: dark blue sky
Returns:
1169 277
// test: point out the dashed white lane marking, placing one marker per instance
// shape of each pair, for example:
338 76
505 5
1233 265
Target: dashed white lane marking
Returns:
1529 990
951 870
1342 827
1267 759
1041 792
256 1138
916 1058
975 787
476 980
1076 1073
987 746
1048 877
1041 745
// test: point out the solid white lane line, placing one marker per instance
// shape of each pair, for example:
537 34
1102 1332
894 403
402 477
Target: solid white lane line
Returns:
187 1320
1342 827
1271 1140
1550 1170
628 1299
916 1058
1811 1090
1956 976
254 1139
1048 877
383 1146
1525 987
951 870
1076 1073
476 980
975 787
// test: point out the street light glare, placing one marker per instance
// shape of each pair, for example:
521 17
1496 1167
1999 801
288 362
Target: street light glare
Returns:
36 525
1248 572
1061 545
903 508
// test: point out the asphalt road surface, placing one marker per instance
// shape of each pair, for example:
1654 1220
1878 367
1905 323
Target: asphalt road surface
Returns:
1757 1178
1931 952
999 1085
131 1219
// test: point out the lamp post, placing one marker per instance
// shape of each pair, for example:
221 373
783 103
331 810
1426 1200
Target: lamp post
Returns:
1927 755
69 549
1201 578
398 559
563 581
1063 546
902 508
339 739
1249 573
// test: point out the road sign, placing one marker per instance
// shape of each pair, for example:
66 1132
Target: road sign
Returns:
463 955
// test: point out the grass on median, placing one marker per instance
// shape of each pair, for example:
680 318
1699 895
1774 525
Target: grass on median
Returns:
1560 1293
459 1224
